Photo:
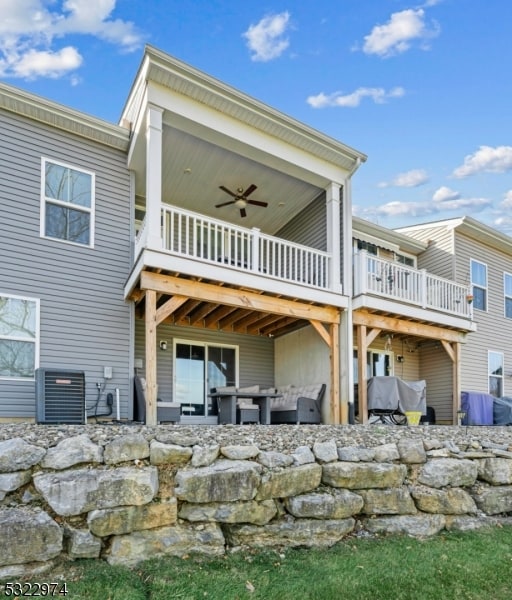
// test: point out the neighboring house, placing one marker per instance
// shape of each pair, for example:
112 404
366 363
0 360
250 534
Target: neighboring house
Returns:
65 246
410 319
241 269
475 255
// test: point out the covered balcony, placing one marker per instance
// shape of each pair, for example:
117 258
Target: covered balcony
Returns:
246 224
194 238
406 291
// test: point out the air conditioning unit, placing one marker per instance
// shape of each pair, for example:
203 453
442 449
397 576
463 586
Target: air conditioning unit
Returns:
60 396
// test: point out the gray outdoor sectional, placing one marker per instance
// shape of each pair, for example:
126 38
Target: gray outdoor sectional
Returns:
298 404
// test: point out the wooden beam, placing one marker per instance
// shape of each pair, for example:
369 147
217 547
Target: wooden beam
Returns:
241 299
320 329
151 374
169 307
262 322
183 311
370 337
362 348
449 350
214 317
201 312
397 325
339 414
248 319
230 319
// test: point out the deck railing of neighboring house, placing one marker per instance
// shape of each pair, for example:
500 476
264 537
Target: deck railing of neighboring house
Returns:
193 235
395 281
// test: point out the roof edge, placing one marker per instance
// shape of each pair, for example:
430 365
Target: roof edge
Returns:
62 117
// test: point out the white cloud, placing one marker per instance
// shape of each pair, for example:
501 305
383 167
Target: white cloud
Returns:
424 208
486 159
444 194
412 178
397 35
378 95
266 39
30 32
47 64
507 201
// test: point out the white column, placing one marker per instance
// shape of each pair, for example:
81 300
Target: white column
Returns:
346 228
153 177
332 196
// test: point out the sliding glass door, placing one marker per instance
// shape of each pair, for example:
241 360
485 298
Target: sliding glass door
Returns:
197 368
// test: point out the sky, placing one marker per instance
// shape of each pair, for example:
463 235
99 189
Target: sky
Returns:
423 89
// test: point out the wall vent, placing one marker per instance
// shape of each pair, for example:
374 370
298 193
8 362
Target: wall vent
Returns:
60 396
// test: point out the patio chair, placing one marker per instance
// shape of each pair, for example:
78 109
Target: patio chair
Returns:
246 410
165 411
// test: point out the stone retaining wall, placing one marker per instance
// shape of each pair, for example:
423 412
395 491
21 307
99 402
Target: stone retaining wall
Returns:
136 495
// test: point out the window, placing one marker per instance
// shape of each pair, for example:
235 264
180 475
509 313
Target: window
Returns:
19 337
479 283
369 247
507 291
404 260
67 203
495 362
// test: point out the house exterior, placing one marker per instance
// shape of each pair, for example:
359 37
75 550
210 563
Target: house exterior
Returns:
208 240
240 272
474 254
410 320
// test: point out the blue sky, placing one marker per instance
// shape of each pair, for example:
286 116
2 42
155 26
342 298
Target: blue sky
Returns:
423 89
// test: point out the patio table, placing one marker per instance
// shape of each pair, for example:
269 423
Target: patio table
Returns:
227 404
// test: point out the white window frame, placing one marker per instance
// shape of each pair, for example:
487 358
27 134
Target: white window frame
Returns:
505 295
489 374
35 341
85 209
478 285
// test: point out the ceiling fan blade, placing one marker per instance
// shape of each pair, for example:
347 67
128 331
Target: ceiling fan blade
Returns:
257 203
225 203
242 212
249 190
225 189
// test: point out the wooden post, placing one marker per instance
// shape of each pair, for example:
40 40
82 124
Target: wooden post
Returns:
361 370
336 416
151 357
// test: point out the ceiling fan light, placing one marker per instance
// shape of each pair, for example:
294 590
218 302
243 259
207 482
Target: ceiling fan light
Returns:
241 203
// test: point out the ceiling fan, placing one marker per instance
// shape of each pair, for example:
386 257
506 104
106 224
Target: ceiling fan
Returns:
240 198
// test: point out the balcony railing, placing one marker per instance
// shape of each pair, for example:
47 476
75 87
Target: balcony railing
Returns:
394 281
202 238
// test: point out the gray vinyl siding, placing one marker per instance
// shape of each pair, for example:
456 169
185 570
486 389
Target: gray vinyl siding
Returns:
494 331
255 354
309 227
84 321
438 258
436 369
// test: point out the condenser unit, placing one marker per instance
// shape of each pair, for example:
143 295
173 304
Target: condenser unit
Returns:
60 396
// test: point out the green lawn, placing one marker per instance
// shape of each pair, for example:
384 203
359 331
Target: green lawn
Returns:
466 566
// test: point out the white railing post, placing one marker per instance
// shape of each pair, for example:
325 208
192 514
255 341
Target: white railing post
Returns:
360 272
423 288
255 262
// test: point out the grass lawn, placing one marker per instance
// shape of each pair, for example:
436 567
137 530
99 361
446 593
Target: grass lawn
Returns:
466 566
